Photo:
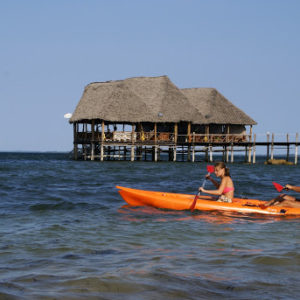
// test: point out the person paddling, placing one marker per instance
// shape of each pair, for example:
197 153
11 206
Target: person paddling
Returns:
225 189
285 200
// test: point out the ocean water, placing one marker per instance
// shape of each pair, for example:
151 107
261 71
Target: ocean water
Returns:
65 233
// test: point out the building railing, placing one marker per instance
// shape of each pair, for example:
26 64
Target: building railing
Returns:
159 137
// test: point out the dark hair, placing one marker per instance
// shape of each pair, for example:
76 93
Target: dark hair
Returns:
223 166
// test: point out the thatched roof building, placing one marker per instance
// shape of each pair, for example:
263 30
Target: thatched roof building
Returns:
215 108
140 99
155 100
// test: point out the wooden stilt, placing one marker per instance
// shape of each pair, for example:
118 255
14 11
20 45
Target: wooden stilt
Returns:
231 159
75 130
174 153
193 154
254 149
175 141
272 147
93 141
250 147
288 148
210 153
268 146
125 152
249 155
101 152
296 149
189 142
206 153
132 153
227 153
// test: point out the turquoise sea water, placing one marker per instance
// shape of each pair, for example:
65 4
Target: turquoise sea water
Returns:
66 234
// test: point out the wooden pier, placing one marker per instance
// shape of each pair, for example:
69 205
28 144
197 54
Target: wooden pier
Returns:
151 146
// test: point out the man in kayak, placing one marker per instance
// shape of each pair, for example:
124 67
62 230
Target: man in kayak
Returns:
225 189
285 200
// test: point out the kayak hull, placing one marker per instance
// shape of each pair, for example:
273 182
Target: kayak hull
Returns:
175 201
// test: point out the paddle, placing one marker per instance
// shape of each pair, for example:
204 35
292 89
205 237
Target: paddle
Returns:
210 169
278 187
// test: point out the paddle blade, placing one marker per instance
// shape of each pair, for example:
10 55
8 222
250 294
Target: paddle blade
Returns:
194 202
278 186
210 168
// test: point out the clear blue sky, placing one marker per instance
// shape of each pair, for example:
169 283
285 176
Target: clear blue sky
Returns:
50 50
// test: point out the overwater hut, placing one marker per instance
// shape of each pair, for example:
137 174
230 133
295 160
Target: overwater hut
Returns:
143 115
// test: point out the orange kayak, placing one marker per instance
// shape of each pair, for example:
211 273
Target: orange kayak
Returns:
176 201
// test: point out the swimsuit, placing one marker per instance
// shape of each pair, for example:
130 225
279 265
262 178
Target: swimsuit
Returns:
223 198
227 190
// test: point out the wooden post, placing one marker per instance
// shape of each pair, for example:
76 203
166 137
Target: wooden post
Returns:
193 152
174 153
249 154
254 149
227 153
210 153
296 149
175 141
155 133
231 152
287 148
189 141
250 146
125 152
132 133
93 141
175 132
268 145
132 153
75 130
102 141
272 146
102 131
227 133
206 153
154 150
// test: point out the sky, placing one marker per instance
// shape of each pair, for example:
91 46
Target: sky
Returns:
50 50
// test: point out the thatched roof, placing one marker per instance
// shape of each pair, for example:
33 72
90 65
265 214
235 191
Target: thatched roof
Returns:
140 99
215 108
155 99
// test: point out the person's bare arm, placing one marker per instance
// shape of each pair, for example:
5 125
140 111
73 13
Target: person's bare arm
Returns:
293 188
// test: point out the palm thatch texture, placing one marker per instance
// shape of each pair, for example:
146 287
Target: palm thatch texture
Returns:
156 100
215 108
140 99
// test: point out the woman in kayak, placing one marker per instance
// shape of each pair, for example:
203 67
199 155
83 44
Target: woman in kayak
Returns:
225 189
285 200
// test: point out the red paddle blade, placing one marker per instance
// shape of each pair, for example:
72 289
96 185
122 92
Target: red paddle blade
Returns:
210 168
278 186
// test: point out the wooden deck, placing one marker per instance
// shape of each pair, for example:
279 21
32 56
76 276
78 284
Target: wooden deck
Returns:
137 145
